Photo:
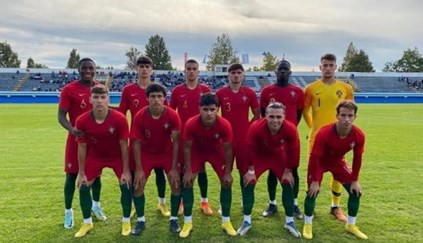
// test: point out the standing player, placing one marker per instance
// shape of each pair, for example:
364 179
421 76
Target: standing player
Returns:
274 145
208 137
185 99
236 101
292 97
104 144
321 98
74 101
331 144
155 136
134 98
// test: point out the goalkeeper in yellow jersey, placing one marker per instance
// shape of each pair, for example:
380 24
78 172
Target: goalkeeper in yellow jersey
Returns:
321 98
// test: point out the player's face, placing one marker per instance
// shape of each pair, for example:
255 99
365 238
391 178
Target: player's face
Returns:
345 118
283 72
208 114
274 119
156 99
328 68
191 72
144 71
87 71
236 76
99 101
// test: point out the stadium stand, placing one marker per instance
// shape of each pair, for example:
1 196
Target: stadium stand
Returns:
54 80
381 85
8 81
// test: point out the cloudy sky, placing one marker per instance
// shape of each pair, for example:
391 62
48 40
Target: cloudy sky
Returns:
302 30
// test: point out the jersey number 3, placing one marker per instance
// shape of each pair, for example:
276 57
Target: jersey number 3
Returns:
228 106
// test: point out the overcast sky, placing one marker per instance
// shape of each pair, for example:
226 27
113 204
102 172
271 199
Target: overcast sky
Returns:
302 30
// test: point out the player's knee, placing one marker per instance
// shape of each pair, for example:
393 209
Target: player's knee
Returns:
84 189
71 177
354 195
252 183
175 191
124 188
336 194
225 185
139 192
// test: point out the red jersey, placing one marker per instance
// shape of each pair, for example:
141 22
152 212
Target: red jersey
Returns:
285 143
292 97
103 139
155 134
329 149
187 101
134 98
75 98
235 107
207 140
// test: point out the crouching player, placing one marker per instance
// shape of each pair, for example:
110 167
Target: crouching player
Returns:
274 146
332 143
155 137
104 144
208 137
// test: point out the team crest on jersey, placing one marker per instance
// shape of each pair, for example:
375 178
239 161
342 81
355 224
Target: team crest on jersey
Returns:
292 93
339 93
217 136
244 98
112 130
352 145
166 125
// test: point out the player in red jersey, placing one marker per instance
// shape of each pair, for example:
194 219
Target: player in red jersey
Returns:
74 101
185 99
208 137
292 97
104 144
235 102
273 145
155 134
321 98
134 98
330 146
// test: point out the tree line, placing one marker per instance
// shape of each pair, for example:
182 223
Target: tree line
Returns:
223 52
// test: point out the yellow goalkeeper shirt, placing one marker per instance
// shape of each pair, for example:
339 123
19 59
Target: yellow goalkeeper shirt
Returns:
320 103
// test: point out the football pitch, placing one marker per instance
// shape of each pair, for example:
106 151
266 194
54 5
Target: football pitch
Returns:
31 186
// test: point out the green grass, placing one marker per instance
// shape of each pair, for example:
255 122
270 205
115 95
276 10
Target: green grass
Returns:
31 186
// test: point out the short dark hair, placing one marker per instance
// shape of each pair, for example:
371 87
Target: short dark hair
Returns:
85 59
275 105
349 104
209 99
283 61
155 87
144 60
99 89
328 56
191 61
235 66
